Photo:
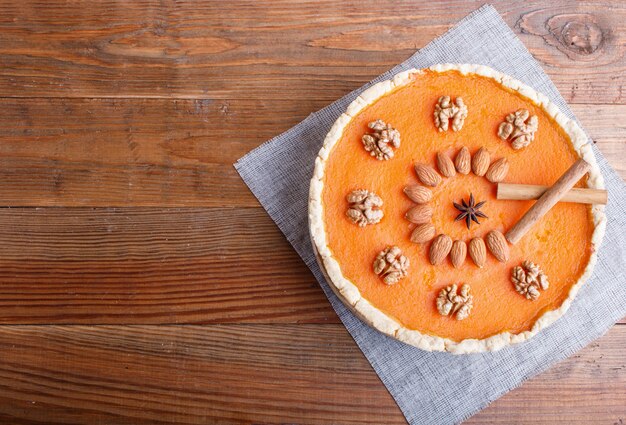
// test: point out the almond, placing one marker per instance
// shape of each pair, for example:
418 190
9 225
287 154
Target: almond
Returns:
427 175
497 171
458 253
445 165
477 252
418 194
480 162
419 214
439 249
423 233
497 245
463 161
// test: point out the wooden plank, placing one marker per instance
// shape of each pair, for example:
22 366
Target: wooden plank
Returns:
166 153
587 388
85 265
272 374
108 152
152 266
175 374
279 50
158 132
606 131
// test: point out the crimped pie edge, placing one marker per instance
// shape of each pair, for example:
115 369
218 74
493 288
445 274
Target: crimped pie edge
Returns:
351 295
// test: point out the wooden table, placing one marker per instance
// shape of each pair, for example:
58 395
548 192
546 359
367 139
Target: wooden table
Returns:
141 282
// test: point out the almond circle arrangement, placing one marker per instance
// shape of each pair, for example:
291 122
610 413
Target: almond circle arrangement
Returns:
390 263
421 213
432 241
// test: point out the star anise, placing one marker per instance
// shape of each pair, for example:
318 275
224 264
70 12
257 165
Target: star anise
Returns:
470 211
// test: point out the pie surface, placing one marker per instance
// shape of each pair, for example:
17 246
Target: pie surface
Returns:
563 242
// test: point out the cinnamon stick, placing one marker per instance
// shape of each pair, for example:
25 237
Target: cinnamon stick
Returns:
523 192
547 200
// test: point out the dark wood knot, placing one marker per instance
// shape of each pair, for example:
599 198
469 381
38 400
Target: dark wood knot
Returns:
578 33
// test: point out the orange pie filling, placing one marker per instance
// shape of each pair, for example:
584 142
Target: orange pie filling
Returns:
560 243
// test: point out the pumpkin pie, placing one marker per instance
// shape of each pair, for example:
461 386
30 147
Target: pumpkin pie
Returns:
405 220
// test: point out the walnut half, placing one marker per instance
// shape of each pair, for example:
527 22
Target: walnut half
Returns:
528 279
364 207
519 127
391 265
381 140
446 110
451 303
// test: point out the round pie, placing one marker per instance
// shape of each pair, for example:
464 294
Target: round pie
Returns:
405 220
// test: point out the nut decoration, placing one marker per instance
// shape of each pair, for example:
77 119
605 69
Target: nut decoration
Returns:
380 142
427 175
439 249
498 245
458 253
423 233
364 207
478 252
452 303
497 170
529 279
463 161
469 211
445 165
419 214
480 162
418 194
391 265
519 127
446 110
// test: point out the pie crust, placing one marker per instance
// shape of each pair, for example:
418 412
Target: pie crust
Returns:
348 291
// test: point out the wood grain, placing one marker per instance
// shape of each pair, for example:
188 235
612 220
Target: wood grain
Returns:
587 388
279 50
86 265
166 153
126 117
236 374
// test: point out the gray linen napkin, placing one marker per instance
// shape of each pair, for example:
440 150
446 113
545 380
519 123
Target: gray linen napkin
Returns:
439 387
